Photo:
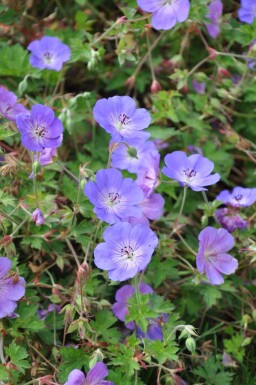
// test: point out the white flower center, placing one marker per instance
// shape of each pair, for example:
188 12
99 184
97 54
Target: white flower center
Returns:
127 252
48 58
113 198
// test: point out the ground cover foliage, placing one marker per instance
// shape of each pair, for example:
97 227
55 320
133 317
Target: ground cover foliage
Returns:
65 303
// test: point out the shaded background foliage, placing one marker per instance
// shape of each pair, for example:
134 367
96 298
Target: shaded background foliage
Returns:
221 122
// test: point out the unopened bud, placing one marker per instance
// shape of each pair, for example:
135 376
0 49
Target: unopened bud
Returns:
132 152
130 82
213 53
222 72
121 20
155 87
36 167
191 344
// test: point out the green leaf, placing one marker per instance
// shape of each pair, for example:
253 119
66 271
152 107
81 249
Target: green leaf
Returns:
18 355
213 373
125 359
72 359
211 295
6 199
161 352
6 133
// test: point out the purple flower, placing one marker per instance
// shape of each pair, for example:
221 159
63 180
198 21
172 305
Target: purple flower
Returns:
247 11
9 108
211 258
120 307
199 87
43 313
124 160
120 310
239 197
45 157
230 220
215 13
152 208
166 13
114 198
38 217
120 118
48 52
193 171
160 144
148 174
40 129
12 288
126 251
95 376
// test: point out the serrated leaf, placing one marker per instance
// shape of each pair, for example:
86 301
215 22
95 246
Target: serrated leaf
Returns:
18 355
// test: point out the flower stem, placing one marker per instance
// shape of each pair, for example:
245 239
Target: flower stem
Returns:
187 246
183 202
67 171
72 252
2 348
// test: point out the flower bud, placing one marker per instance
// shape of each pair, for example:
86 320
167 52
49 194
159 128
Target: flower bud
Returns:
213 53
121 20
155 87
191 344
132 152
130 82
36 167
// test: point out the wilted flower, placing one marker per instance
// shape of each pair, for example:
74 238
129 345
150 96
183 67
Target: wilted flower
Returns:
40 129
48 52
211 258
166 13
193 171
95 376
239 197
126 251
9 108
247 11
215 13
123 159
113 196
199 87
38 217
12 288
230 220
119 117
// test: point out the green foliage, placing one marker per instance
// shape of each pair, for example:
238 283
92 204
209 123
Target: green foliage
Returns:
18 357
213 372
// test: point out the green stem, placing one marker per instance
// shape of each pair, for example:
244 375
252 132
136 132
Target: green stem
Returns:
187 246
68 172
183 202
19 226
198 65
104 34
72 252
144 59
2 348
205 198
